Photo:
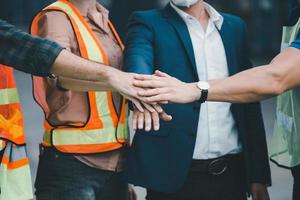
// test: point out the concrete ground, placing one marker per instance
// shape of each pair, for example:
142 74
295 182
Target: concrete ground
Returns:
282 180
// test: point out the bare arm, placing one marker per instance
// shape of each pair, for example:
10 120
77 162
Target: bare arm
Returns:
81 85
261 82
69 65
251 85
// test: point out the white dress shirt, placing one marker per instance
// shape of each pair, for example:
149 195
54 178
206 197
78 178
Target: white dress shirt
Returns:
217 134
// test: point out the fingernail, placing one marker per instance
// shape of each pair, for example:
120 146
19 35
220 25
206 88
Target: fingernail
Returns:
156 128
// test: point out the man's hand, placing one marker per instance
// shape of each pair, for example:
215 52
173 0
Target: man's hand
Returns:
149 120
164 88
259 192
123 83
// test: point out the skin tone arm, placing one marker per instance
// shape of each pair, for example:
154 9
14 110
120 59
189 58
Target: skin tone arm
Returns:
82 75
95 76
251 85
260 83
85 86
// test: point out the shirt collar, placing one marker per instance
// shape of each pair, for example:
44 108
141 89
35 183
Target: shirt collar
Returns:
99 16
214 15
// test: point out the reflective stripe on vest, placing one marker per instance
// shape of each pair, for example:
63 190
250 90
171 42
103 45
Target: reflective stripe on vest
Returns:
2 145
11 121
99 134
15 177
285 148
9 96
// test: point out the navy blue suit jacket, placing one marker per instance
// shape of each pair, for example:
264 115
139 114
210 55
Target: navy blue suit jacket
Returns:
159 39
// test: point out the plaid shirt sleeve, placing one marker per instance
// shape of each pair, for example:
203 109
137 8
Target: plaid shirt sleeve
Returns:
26 53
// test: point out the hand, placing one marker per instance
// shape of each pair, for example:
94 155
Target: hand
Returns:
148 120
132 194
164 88
123 83
259 192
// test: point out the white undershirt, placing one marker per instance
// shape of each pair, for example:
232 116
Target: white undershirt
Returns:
217 134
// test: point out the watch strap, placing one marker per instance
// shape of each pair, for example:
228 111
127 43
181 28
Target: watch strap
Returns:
204 95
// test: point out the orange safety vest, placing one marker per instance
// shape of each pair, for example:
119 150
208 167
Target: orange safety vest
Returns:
15 177
105 130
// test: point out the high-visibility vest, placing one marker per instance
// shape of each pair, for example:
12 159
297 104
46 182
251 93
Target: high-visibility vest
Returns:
105 130
15 177
285 148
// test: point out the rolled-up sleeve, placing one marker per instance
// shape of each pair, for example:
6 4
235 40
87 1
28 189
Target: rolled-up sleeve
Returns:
26 53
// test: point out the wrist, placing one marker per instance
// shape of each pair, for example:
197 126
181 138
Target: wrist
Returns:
195 91
110 76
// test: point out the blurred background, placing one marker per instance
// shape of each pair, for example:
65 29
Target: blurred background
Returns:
264 19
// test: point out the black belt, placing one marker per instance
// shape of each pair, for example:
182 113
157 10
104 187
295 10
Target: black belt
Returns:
216 166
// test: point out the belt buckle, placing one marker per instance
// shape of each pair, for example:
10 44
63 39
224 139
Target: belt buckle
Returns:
217 167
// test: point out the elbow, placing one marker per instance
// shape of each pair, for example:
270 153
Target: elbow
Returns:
276 84
277 89
271 84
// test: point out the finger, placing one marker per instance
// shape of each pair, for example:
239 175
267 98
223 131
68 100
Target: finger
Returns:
153 92
158 108
149 83
157 98
155 120
138 105
163 102
161 74
148 107
141 121
164 116
134 120
143 77
148 121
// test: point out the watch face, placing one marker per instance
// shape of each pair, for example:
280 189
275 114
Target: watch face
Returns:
203 85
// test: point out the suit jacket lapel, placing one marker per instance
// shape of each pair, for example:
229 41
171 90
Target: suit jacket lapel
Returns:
183 33
229 45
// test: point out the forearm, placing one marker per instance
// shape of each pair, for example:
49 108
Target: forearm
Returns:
81 85
248 86
261 82
71 66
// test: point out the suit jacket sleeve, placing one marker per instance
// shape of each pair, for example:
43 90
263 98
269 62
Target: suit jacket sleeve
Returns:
138 55
257 152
